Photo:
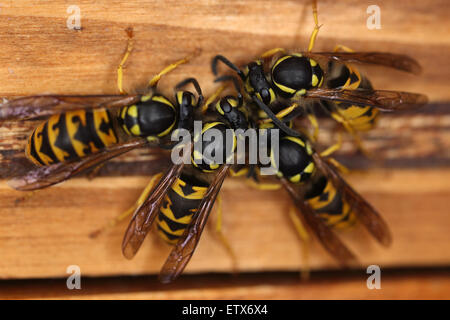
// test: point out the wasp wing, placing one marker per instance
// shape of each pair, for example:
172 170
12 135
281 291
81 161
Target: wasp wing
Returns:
146 213
185 247
44 105
386 59
326 236
384 100
368 216
46 176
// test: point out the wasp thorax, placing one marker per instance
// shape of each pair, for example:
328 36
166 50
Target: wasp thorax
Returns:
294 74
152 116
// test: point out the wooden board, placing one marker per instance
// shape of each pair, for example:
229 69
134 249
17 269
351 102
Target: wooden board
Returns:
43 234
425 284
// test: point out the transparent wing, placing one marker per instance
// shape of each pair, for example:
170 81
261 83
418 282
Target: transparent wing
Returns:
41 177
145 214
384 100
324 234
386 59
45 105
368 216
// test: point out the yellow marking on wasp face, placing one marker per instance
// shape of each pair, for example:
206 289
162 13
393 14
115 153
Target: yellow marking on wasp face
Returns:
146 98
135 130
314 80
312 62
151 138
132 111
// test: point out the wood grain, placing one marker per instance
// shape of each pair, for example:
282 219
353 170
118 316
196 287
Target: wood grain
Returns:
404 284
45 233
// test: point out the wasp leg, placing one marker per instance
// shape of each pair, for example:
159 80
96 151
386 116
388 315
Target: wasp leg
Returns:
129 32
213 98
352 132
312 39
341 47
302 233
154 81
314 123
272 52
222 237
332 149
144 195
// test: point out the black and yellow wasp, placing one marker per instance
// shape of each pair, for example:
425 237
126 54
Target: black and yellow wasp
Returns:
300 79
82 132
324 200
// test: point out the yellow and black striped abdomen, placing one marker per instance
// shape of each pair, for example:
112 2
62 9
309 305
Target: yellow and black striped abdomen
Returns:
178 208
329 205
360 118
70 136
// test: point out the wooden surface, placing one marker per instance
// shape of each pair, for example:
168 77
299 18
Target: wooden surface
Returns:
43 234
404 284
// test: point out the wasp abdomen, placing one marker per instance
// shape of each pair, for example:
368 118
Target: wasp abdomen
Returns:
328 203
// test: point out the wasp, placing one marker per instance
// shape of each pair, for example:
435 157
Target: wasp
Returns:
84 131
182 200
325 201
282 78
